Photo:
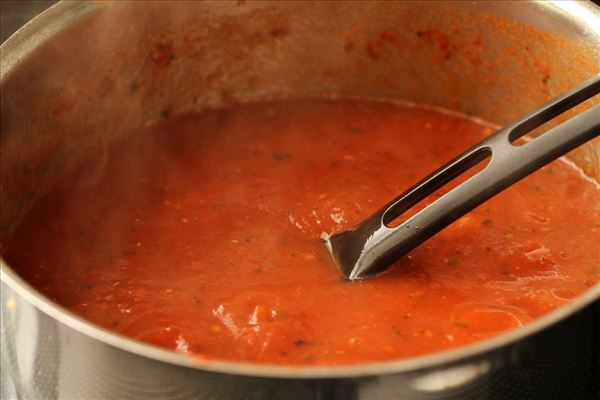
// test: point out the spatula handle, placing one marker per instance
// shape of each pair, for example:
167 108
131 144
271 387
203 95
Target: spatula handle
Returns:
371 246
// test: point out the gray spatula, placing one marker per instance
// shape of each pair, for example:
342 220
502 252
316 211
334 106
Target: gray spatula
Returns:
371 246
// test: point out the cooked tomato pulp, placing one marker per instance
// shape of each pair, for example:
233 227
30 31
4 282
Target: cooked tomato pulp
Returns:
202 234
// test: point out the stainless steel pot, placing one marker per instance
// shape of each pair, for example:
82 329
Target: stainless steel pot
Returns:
83 74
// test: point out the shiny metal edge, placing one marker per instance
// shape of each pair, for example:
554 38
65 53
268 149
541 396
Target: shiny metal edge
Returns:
39 29
585 11
64 13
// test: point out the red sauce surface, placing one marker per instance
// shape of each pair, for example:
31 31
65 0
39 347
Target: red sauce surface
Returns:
202 235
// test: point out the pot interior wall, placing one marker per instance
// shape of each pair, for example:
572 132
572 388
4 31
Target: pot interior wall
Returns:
117 66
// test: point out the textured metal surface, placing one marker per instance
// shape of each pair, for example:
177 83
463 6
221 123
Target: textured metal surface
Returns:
82 74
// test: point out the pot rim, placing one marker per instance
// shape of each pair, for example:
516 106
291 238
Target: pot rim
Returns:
62 14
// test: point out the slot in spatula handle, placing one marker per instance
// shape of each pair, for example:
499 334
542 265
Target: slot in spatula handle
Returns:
372 246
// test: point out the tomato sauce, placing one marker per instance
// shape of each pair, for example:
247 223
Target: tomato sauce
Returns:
202 234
